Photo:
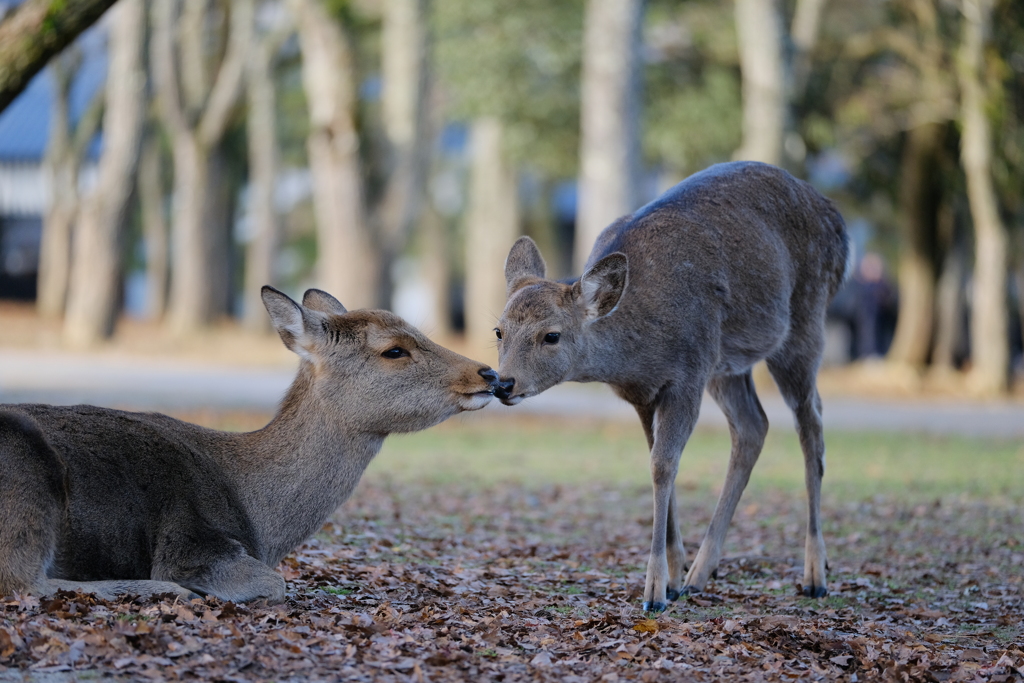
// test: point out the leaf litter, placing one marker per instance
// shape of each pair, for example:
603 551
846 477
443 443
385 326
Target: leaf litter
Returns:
516 583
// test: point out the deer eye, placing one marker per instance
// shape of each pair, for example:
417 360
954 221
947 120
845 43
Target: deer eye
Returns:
396 352
551 338
497 333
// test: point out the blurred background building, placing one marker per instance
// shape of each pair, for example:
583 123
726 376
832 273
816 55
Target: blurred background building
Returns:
181 153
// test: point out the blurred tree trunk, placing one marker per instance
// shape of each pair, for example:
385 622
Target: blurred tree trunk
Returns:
263 163
36 30
759 36
404 98
61 170
950 297
919 197
346 260
1019 275
610 119
65 152
154 226
921 193
218 217
95 289
196 109
804 36
990 353
435 259
492 225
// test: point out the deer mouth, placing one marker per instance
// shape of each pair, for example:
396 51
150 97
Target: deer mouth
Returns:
476 400
518 398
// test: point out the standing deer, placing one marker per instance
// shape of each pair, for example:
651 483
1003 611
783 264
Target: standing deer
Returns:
110 502
733 265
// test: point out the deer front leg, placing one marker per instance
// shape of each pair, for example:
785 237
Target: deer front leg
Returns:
676 553
218 565
242 579
675 420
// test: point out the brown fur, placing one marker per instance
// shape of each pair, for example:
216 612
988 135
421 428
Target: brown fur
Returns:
111 502
734 265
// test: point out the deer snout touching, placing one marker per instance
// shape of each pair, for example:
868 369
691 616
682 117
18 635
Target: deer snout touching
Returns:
490 376
503 390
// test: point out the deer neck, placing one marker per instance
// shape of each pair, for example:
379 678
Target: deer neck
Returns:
298 469
601 359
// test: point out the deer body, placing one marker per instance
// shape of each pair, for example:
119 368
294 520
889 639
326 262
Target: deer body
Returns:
110 502
734 265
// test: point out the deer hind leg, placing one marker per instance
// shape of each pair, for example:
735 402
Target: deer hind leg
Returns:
31 504
114 588
748 425
795 376
675 552
676 416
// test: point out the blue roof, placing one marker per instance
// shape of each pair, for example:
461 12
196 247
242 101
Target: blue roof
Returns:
25 123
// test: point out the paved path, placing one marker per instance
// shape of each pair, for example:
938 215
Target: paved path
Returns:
155 384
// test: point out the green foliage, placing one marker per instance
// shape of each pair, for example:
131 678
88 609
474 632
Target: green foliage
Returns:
690 128
518 60
51 22
693 110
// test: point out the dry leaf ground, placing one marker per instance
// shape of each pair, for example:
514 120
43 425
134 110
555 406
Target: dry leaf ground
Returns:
509 550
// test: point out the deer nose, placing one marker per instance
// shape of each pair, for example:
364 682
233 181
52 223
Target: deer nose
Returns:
490 376
504 388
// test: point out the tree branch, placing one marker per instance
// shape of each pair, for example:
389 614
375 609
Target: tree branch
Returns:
165 68
191 37
87 125
34 32
865 45
228 83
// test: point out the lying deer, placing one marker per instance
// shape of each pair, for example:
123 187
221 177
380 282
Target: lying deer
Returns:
734 265
111 502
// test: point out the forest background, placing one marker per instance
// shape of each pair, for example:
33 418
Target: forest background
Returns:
391 151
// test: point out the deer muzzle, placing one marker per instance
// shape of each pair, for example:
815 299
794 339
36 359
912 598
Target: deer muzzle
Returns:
503 389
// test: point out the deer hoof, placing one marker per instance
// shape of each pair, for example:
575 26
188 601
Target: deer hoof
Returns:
650 606
689 590
672 594
815 591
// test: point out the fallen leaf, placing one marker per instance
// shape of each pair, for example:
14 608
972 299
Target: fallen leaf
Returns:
541 660
6 644
647 626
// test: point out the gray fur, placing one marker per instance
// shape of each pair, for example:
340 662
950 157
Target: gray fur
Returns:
110 502
734 265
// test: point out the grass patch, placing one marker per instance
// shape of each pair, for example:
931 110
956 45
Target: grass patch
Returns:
540 451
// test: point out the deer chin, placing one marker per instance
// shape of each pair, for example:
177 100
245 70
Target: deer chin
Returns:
518 398
475 401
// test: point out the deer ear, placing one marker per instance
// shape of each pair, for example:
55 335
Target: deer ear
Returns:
319 300
524 261
600 289
290 320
